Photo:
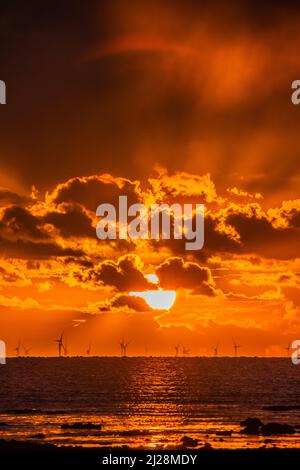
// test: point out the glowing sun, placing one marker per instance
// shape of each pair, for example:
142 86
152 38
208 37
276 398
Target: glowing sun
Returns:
157 299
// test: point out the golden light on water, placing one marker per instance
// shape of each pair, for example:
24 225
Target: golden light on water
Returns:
157 299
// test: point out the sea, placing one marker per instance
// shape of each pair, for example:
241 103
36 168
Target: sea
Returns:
148 402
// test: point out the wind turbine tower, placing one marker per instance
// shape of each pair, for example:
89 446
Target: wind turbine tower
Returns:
60 344
18 349
236 348
123 346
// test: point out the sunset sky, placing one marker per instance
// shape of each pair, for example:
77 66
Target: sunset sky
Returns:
162 101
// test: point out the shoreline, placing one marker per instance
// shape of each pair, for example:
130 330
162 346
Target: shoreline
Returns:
24 452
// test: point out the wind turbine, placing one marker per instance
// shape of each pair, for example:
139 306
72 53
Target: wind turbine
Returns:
185 351
60 344
88 351
216 350
18 349
123 347
176 347
236 347
26 351
288 348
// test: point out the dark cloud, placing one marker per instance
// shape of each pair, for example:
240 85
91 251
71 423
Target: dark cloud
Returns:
125 275
38 250
245 229
232 228
18 221
122 300
258 235
8 197
93 190
174 273
72 222
86 263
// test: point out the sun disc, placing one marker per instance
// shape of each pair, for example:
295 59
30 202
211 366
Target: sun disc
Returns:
157 299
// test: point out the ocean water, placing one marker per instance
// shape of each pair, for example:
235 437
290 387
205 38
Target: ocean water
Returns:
147 402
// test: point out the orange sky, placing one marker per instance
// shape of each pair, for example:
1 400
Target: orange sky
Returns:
162 102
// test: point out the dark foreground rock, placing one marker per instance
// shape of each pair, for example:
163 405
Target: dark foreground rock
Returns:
252 426
189 441
256 427
272 429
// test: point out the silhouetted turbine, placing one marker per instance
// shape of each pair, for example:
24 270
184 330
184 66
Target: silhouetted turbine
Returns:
123 347
88 351
26 351
236 347
185 351
60 344
18 348
288 348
